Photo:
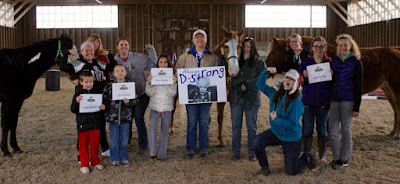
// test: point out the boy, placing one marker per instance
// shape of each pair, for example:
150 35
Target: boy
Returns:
88 125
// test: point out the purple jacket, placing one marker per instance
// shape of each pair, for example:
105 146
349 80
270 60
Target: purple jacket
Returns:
316 94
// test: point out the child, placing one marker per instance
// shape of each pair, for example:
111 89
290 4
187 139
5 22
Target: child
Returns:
161 105
286 109
119 115
346 99
88 125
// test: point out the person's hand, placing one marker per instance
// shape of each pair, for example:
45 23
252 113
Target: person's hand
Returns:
243 87
355 114
273 115
149 77
79 98
147 45
126 101
174 79
272 70
305 73
102 107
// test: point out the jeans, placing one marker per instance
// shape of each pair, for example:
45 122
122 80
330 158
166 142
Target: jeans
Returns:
161 150
319 115
291 152
140 109
119 135
197 115
251 112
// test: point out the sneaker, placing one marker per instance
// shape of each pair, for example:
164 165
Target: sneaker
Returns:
203 155
99 167
345 163
252 158
126 163
114 164
106 153
311 162
85 170
190 156
333 163
264 172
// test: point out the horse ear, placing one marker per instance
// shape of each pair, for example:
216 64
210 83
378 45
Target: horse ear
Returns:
226 33
64 35
224 29
241 33
274 40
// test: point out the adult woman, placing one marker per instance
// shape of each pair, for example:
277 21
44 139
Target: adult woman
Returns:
316 99
244 97
297 51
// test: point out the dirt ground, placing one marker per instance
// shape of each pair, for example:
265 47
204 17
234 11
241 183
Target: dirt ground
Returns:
46 132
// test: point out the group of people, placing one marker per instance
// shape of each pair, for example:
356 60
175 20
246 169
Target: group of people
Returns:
291 99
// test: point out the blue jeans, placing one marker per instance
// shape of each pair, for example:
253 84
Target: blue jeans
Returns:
319 115
197 115
291 152
119 135
140 108
251 112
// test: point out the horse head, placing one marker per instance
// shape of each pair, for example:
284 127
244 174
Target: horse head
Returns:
232 45
277 54
66 48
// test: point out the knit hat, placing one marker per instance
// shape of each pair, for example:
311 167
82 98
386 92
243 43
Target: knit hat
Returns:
199 31
295 76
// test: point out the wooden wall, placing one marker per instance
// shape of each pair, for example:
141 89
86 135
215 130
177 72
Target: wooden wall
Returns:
9 37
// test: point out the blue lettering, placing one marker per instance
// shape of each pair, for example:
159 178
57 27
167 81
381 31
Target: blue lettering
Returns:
183 78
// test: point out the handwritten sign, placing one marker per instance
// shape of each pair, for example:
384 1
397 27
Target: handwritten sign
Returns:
90 103
319 73
201 85
123 90
161 76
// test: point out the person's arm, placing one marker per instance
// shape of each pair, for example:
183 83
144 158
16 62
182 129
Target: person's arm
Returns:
172 90
151 61
251 83
107 96
75 104
302 68
110 66
357 85
295 111
150 90
71 68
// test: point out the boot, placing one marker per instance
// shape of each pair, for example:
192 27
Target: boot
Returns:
322 148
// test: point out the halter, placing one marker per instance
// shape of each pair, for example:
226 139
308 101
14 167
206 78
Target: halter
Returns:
234 57
59 51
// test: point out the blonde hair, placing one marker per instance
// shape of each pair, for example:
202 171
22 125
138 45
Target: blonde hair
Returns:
295 36
354 46
100 50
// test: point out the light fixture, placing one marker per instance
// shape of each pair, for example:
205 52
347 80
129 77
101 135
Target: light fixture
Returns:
263 1
98 1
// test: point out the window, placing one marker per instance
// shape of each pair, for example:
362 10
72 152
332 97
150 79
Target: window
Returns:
364 12
285 16
6 20
76 16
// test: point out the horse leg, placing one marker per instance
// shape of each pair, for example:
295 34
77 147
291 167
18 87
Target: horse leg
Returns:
220 110
16 107
5 128
389 95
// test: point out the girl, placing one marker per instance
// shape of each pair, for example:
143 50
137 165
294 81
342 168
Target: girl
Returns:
346 99
161 105
316 99
286 109
244 97
296 50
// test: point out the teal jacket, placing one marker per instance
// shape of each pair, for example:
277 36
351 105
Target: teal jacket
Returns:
286 125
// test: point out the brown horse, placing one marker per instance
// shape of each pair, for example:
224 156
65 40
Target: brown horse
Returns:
228 50
381 69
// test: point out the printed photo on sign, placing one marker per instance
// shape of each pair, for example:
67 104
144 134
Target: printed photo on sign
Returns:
123 90
201 85
90 103
161 76
319 73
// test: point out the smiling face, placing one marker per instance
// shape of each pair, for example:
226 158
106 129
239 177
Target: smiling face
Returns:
119 72
343 46
200 40
318 48
96 44
163 62
246 47
295 44
88 53
87 82
123 47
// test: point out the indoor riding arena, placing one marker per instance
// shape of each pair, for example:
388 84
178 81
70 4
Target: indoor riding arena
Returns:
36 92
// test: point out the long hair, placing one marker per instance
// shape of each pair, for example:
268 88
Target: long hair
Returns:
253 52
100 50
168 60
289 98
354 46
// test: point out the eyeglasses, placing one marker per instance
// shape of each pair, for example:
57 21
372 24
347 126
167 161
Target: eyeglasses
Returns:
318 46
199 37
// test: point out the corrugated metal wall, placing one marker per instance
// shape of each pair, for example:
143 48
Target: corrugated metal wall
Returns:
8 37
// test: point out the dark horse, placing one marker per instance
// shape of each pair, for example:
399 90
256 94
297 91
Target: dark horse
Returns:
381 69
18 77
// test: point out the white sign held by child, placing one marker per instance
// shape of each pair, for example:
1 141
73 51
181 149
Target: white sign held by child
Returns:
123 90
319 73
90 103
201 85
161 76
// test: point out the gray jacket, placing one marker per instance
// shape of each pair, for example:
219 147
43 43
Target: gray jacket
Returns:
137 66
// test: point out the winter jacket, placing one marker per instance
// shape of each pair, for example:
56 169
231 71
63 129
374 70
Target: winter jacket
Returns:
116 110
248 76
85 121
293 62
286 125
136 66
161 96
347 81
316 94
189 59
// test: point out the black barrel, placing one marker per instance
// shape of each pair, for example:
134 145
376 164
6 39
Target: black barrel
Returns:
53 80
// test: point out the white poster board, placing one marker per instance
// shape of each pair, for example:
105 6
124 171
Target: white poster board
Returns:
123 90
90 103
201 85
319 73
161 76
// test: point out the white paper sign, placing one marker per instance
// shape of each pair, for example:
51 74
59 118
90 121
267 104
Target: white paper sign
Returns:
123 90
161 76
90 103
319 73
201 85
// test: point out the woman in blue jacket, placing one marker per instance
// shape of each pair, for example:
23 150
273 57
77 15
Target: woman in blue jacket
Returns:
286 109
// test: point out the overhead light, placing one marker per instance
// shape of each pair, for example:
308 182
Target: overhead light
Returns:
263 1
98 1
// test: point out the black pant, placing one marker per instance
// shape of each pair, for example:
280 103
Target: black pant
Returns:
140 109
103 134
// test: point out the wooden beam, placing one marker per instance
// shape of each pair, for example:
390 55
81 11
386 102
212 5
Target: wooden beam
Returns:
361 8
9 9
343 10
337 12
24 12
385 8
373 9
18 9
